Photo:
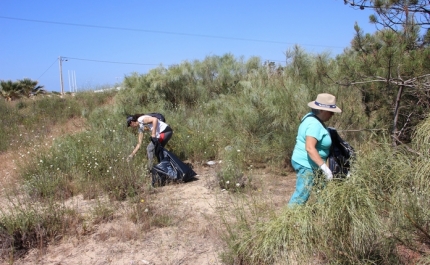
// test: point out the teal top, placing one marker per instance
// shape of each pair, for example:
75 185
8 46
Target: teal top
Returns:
314 128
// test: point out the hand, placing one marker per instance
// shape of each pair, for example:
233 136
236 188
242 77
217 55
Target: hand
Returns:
327 172
154 140
129 158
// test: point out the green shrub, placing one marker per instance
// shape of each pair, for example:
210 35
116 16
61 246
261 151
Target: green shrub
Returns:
28 225
231 174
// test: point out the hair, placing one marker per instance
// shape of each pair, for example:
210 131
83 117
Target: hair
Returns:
136 116
133 118
315 111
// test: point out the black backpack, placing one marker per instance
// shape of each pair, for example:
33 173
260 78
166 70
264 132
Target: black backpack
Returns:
157 115
341 152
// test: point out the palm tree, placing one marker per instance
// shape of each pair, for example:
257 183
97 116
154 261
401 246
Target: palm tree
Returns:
10 90
29 87
14 90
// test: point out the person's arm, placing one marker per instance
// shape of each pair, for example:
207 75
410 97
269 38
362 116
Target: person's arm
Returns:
154 127
311 143
154 121
139 143
312 151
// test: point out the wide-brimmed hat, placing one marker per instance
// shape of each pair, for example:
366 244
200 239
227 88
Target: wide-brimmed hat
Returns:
325 101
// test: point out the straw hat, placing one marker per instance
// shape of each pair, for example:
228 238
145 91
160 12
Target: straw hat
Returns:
325 101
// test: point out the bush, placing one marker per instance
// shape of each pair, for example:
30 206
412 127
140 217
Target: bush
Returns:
28 225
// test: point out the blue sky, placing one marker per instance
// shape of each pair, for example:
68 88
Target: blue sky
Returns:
107 40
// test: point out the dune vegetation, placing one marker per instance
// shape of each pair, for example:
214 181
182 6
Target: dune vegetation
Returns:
243 112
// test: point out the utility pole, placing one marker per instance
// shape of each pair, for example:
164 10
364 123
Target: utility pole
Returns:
74 82
60 61
68 76
61 74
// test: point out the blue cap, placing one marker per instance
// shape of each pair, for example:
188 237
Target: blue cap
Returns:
129 120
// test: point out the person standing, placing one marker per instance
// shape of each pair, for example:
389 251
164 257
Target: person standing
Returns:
161 133
312 147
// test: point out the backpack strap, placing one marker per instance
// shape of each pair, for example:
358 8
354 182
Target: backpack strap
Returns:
313 115
328 130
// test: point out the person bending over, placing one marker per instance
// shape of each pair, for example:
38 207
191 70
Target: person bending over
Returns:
160 134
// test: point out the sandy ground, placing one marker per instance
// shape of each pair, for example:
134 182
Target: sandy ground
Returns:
194 235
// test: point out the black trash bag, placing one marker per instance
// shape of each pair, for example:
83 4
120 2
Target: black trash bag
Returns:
341 155
170 168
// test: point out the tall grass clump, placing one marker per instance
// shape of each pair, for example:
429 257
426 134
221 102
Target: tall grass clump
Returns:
24 226
369 217
8 124
231 174
91 162
410 217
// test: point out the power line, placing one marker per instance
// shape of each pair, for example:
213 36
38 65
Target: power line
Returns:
47 69
100 61
160 32
113 62
103 61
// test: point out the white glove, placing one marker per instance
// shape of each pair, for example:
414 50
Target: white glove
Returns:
327 172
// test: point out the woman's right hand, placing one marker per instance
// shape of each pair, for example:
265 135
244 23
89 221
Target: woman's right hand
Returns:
327 172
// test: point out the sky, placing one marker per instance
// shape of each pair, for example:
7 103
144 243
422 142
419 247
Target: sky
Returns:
101 42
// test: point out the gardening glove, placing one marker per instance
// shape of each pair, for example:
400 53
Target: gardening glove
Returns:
129 158
327 172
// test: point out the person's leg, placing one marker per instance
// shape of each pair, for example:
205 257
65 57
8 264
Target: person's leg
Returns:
304 183
165 137
150 153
